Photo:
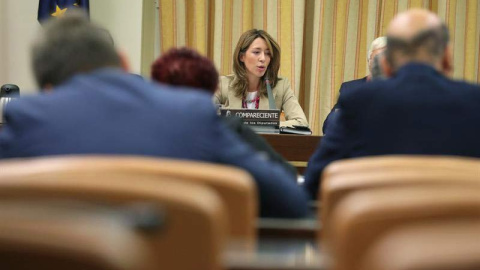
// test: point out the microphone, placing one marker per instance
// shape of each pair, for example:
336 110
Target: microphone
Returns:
7 93
9 90
271 101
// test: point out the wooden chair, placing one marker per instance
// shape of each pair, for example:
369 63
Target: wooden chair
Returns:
427 246
399 162
70 235
235 186
365 216
195 228
344 177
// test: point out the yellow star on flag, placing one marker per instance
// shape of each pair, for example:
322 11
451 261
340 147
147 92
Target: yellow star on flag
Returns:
59 12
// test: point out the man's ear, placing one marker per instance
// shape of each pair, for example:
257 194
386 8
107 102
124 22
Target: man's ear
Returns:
47 88
124 64
447 61
386 67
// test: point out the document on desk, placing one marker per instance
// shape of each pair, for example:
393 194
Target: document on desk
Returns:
296 130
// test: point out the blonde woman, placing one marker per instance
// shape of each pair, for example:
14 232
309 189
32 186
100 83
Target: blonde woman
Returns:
257 58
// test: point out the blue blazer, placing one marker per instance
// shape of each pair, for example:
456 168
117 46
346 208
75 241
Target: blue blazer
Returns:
419 111
112 112
346 86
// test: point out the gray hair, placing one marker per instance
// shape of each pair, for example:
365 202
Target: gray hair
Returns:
380 42
377 71
70 45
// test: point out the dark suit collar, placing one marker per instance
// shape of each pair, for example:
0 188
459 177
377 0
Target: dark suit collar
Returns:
361 80
97 76
417 68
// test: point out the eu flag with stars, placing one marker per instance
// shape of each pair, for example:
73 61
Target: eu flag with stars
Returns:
56 8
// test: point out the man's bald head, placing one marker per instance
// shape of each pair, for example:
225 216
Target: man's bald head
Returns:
417 35
407 24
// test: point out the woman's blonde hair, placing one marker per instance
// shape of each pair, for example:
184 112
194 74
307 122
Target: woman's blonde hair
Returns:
240 84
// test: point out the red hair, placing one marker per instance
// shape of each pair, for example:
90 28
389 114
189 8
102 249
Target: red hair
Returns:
185 67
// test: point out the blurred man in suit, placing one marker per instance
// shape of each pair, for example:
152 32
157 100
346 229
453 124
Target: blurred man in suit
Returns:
419 110
376 48
93 106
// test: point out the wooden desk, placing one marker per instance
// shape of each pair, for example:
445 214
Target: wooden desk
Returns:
276 255
275 228
297 149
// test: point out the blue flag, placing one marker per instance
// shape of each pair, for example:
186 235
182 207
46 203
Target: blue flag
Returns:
56 8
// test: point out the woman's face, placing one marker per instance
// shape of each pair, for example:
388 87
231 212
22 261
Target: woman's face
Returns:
256 58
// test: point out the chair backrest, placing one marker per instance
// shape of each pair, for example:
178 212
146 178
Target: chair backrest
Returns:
365 216
427 246
344 177
234 186
195 227
398 162
71 235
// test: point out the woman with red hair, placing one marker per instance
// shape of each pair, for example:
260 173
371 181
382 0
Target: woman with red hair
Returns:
185 67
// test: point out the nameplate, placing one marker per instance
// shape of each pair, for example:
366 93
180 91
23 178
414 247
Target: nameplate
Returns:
254 117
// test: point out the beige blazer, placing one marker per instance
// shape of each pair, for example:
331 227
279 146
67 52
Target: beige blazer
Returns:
285 100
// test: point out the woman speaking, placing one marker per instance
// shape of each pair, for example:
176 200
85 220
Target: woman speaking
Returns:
256 62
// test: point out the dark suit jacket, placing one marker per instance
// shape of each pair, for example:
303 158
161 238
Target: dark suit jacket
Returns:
419 111
112 112
257 142
345 87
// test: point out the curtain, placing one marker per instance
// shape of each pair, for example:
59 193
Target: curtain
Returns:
323 42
